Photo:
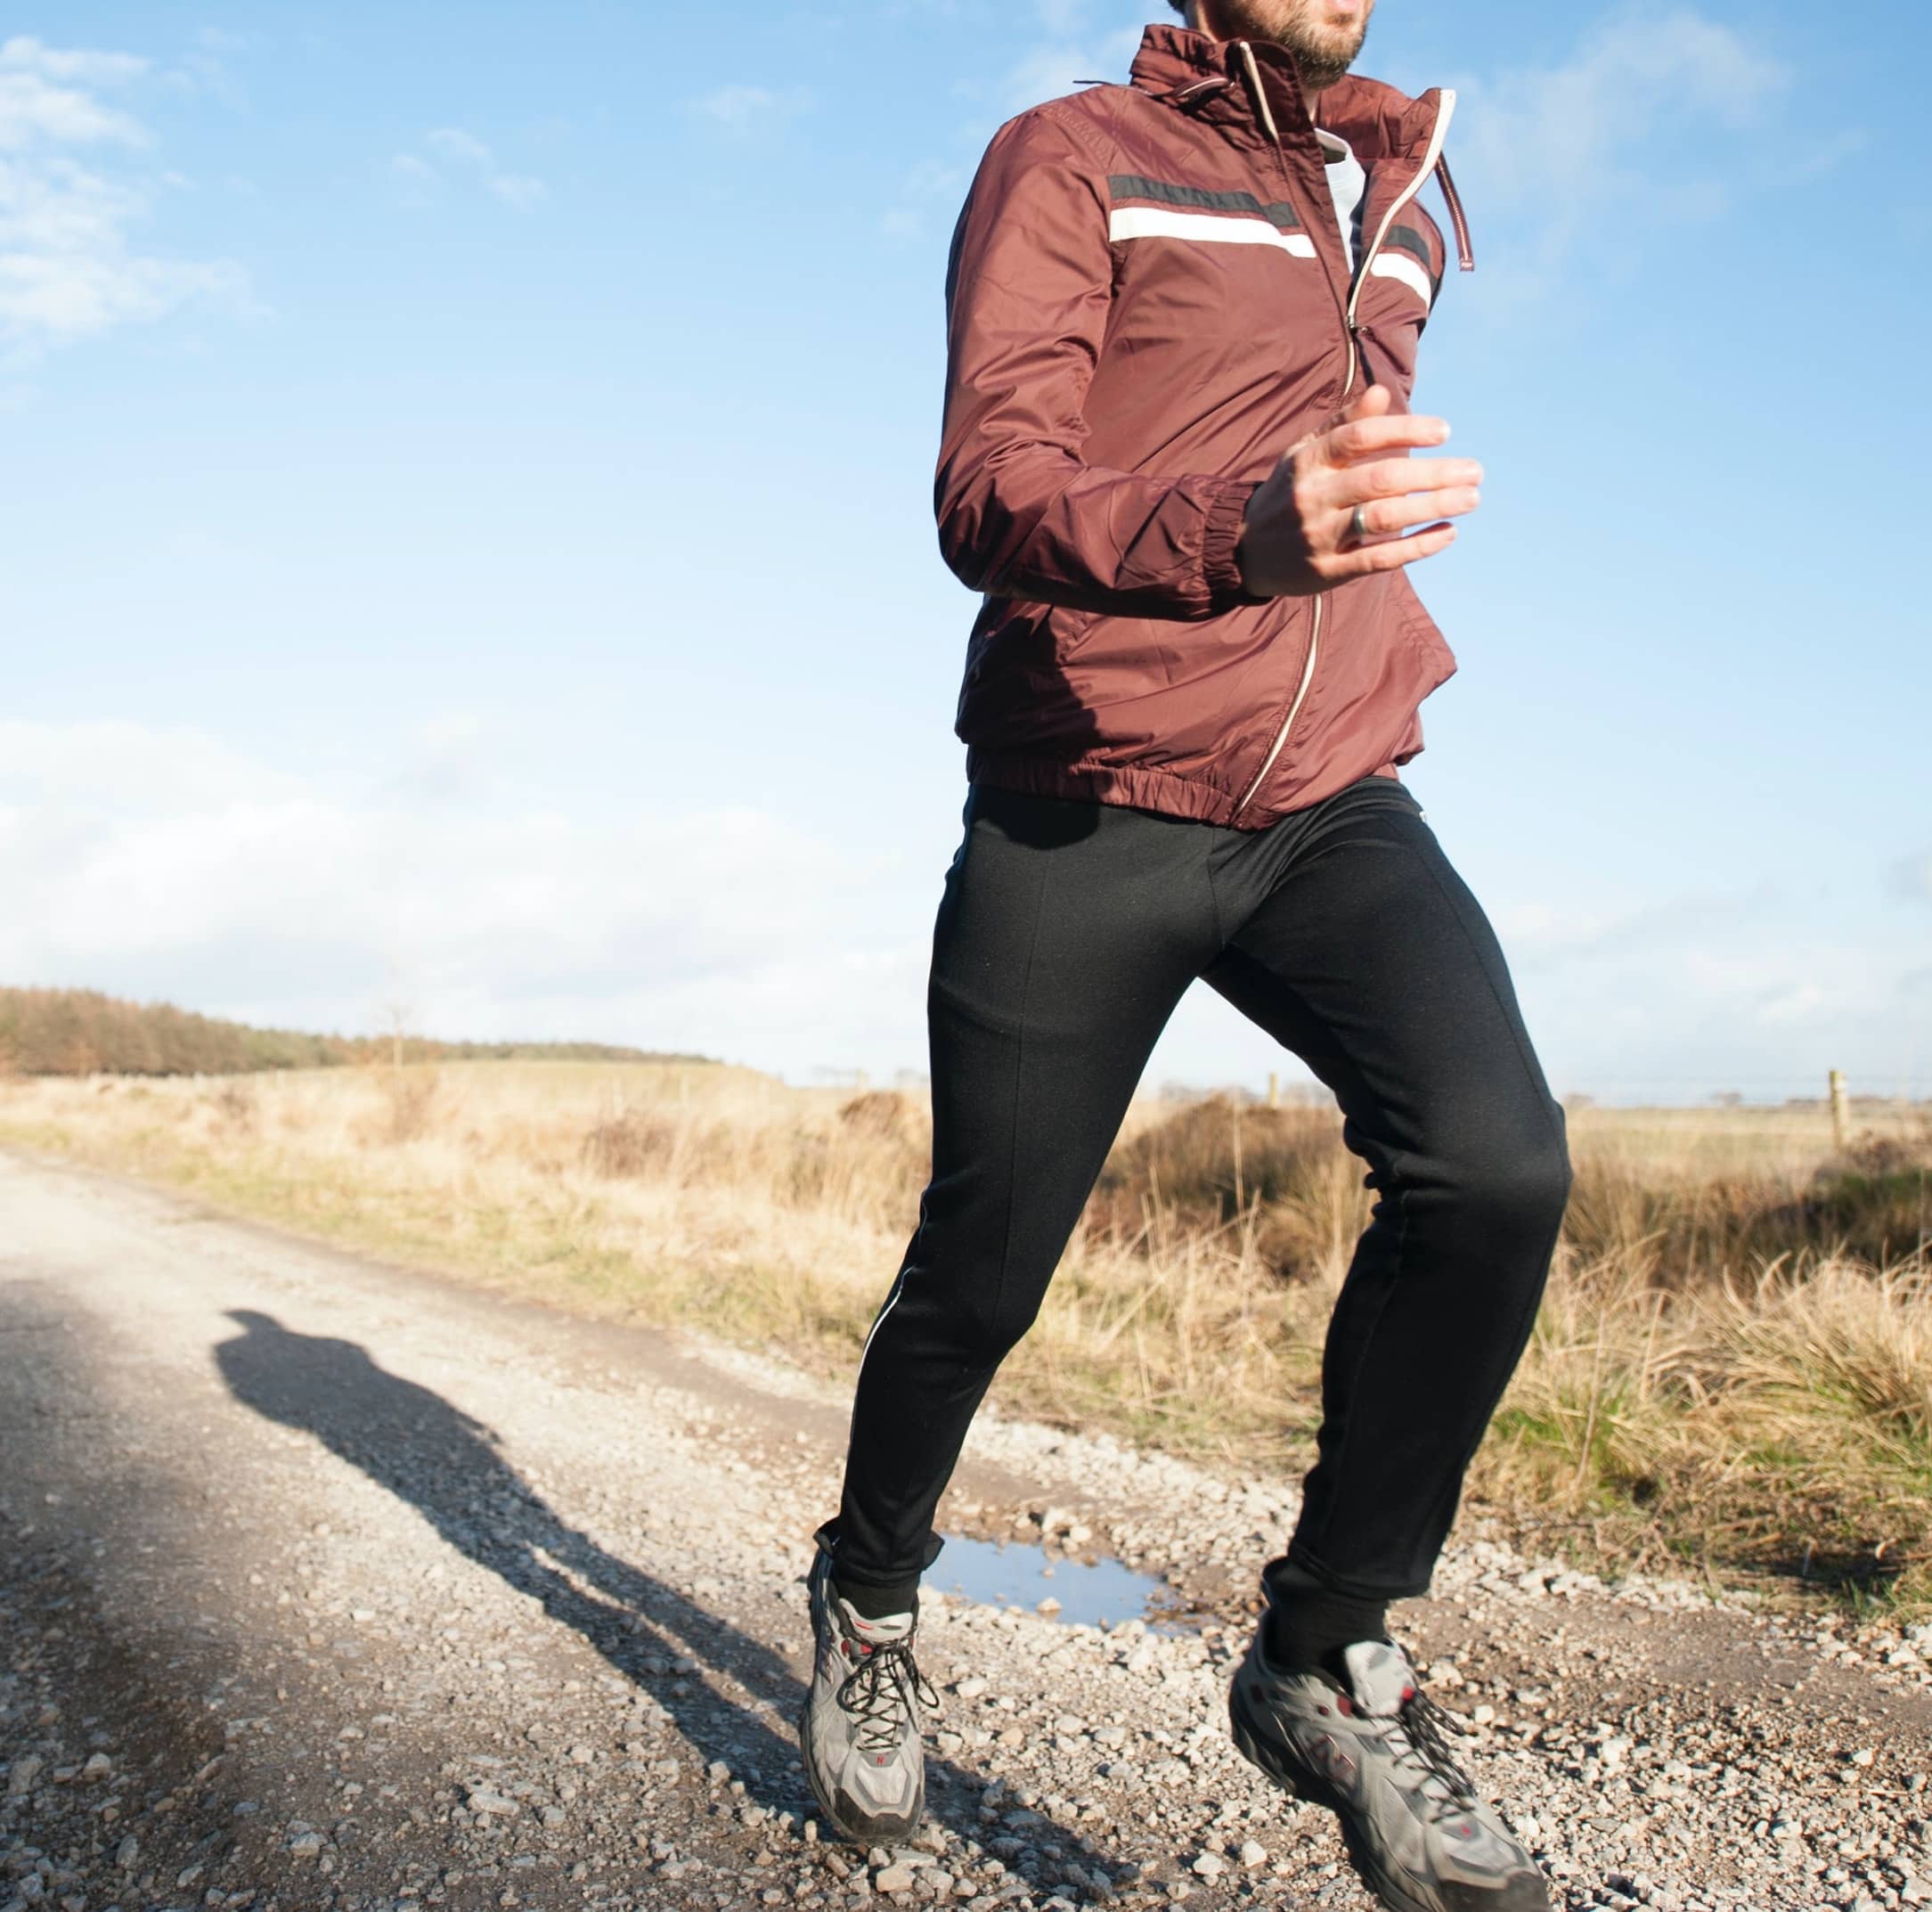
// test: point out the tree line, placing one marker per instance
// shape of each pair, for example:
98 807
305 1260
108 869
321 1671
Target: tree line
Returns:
81 1032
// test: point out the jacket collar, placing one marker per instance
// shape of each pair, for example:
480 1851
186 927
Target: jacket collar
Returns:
1379 122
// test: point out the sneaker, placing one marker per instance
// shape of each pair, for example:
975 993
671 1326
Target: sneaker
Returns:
861 1724
1376 1753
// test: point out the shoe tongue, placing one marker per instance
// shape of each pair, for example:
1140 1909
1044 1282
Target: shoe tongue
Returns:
1380 1677
874 1632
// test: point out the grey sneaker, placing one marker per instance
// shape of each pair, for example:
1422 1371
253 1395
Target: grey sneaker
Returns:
861 1724
1378 1756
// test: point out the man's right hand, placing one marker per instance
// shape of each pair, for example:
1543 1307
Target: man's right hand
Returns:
1296 536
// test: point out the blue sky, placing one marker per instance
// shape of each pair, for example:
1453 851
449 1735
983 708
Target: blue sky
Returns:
467 544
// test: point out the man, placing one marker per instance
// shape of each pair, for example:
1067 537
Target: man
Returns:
1183 325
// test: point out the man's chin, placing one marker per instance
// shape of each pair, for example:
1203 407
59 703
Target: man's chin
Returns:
1322 66
1318 75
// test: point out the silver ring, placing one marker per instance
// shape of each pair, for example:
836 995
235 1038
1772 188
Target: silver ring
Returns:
1358 524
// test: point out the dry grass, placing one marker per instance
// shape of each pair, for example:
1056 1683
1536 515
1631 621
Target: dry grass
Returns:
1734 1368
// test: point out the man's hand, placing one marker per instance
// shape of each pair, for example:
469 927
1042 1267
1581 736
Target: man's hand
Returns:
1298 537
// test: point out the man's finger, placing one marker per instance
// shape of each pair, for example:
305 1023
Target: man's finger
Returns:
1390 555
1397 477
1366 409
1365 437
1370 403
1393 514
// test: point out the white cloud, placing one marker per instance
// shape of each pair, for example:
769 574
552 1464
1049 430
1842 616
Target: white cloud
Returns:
1044 73
204 68
518 190
155 863
110 766
735 106
1555 145
1794 1004
415 179
167 863
35 111
23 54
1547 133
69 268
465 153
1062 17
749 109
931 186
1759 990
1913 878
1079 40
451 757
454 144
1671 1001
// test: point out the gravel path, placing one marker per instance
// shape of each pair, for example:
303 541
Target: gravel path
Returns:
325 1584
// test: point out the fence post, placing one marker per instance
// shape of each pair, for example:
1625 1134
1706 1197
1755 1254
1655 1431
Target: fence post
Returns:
1841 1111
1274 1089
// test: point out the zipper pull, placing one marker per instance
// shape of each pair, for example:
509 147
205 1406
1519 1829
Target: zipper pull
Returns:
1457 217
1193 95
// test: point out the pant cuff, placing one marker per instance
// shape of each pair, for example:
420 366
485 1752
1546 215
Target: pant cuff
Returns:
847 1574
1298 1558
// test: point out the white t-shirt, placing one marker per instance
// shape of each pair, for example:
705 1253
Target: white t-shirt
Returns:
1348 185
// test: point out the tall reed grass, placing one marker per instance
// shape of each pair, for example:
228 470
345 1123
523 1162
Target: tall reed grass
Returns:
1732 1369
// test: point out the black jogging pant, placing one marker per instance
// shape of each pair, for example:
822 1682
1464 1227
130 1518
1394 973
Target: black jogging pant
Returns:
1068 932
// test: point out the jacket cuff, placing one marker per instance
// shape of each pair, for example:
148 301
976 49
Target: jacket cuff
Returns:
1220 568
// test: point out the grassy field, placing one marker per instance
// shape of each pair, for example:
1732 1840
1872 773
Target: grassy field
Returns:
1731 1375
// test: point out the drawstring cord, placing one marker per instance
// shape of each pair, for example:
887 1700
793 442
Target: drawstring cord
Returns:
1456 216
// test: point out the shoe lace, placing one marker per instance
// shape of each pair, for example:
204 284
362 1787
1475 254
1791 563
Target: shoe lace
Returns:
1421 1736
882 1692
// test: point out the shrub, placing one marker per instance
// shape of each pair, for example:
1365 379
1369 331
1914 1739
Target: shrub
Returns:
629 1143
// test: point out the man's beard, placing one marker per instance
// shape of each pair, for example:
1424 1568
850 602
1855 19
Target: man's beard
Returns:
1323 50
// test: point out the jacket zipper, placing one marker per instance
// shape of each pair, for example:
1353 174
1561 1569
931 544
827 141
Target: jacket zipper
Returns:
1314 620
1294 709
1274 133
1431 159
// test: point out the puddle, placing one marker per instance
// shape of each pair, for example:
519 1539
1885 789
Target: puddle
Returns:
1022 1573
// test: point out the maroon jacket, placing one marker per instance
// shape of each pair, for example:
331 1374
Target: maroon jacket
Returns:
1148 302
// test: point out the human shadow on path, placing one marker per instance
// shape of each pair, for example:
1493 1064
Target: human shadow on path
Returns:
425 1451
